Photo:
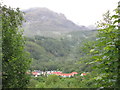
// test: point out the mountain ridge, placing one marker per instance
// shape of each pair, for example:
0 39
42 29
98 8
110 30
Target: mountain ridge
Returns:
43 20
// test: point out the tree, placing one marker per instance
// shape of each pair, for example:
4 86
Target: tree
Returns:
118 44
105 52
15 61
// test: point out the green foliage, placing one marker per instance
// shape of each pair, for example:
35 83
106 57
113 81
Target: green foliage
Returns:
54 81
108 51
59 53
33 83
51 78
15 61
105 53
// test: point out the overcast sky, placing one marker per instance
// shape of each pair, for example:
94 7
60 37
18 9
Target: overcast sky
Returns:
82 12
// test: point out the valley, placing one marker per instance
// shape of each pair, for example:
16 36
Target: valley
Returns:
55 42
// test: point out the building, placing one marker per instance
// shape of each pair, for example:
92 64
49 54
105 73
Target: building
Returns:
83 74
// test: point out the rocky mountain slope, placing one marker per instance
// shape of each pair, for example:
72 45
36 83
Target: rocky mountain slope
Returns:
42 21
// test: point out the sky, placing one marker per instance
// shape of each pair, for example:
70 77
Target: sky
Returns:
81 12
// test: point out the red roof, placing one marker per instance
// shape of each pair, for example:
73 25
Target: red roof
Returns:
84 74
56 72
74 72
35 73
63 74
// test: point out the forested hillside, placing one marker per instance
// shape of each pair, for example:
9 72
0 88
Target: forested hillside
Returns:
59 53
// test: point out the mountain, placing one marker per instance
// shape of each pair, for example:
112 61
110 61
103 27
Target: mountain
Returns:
42 21
54 42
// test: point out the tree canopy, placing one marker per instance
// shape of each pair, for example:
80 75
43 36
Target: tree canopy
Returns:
105 51
15 60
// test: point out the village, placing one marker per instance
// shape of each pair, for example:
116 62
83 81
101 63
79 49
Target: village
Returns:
37 73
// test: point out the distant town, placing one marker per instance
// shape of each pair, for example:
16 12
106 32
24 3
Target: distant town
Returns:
37 73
